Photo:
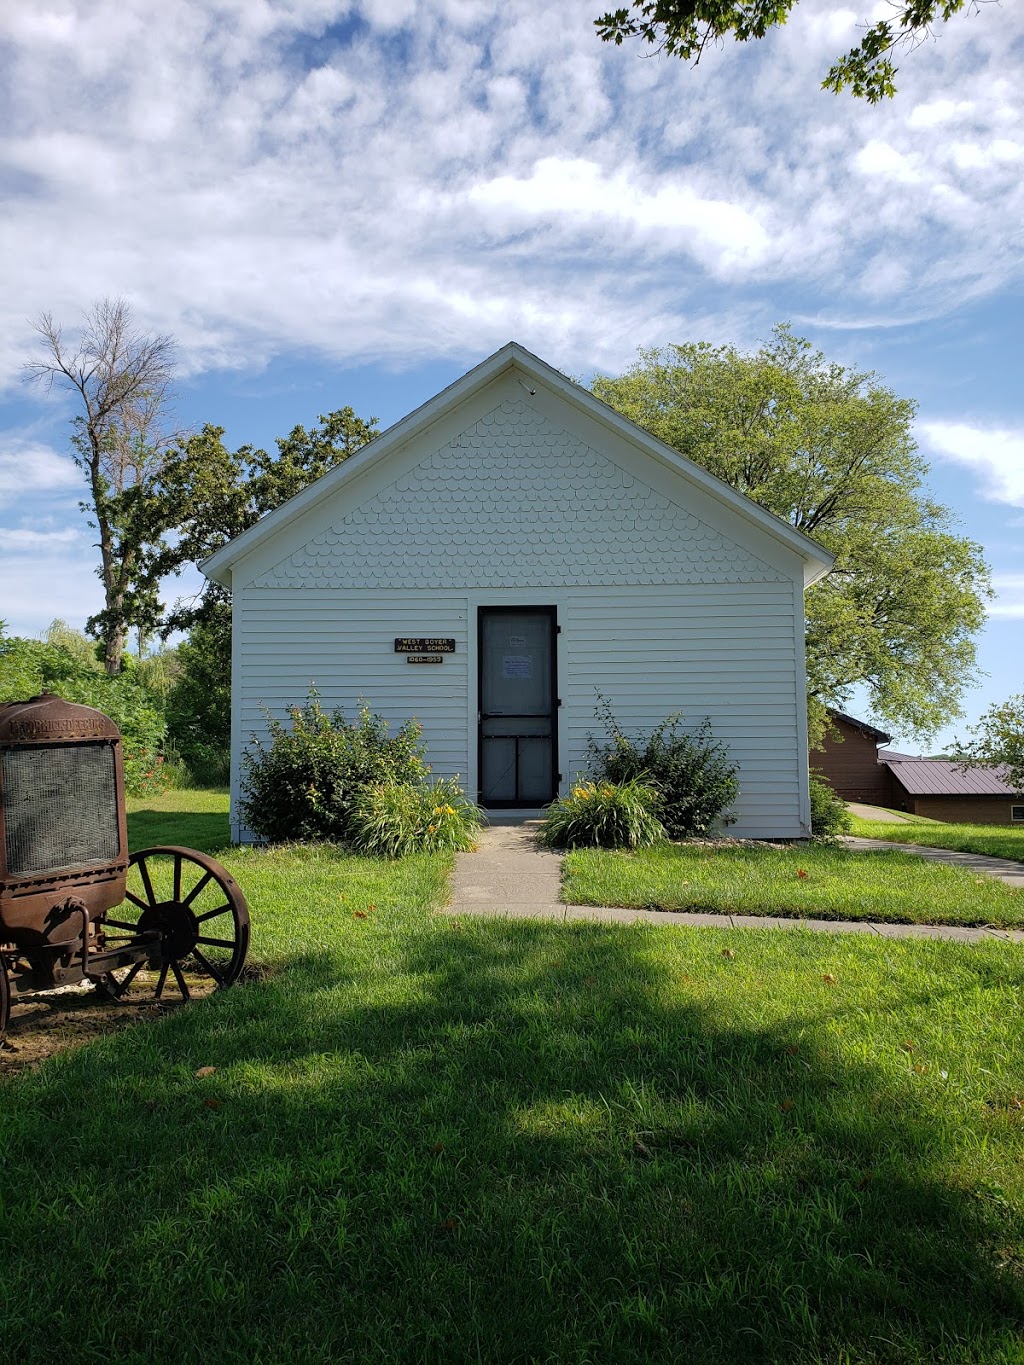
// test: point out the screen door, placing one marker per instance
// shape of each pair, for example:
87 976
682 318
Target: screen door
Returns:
517 706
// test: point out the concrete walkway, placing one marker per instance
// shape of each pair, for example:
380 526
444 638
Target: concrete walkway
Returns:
511 876
1004 869
887 817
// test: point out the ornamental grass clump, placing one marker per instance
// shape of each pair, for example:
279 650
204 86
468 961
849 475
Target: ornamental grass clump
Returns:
604 815
393 819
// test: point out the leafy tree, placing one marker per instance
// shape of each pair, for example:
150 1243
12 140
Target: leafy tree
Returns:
998 740
830 451
28 667
120 378
684 28
74 642
199 702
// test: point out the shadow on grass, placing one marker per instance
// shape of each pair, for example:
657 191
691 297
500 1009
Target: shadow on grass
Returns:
514 1143
209 832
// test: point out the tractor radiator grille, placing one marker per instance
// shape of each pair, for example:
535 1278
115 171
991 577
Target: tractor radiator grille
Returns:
60 807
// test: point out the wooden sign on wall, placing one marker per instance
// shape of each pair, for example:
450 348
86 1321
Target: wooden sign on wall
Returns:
423 644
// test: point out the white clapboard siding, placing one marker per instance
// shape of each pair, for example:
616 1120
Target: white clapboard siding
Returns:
696 649
650 652
343 643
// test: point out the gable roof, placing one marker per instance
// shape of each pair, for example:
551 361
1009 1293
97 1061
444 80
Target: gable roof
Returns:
532 370
944 777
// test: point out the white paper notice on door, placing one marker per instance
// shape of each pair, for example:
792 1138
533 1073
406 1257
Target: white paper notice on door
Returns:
517 666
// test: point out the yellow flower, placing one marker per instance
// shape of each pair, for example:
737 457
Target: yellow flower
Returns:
431 829
437 810
450 810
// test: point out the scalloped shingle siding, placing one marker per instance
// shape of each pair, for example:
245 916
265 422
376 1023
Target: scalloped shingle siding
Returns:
514 501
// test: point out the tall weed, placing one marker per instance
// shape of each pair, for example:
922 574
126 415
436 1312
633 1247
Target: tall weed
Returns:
603 815
395 818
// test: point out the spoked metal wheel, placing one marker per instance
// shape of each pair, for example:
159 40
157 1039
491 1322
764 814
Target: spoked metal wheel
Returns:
197 909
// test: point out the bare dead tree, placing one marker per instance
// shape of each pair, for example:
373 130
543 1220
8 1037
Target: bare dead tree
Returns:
121 378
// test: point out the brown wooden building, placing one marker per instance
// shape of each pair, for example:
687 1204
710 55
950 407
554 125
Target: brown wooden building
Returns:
857 769
940 789
849 761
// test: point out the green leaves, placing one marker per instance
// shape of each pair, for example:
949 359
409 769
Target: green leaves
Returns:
998 740
604 815
831 451
27 667
393 819
306 782
683 28
690 772
829 816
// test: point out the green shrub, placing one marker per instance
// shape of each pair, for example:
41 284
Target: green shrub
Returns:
395 818
305 782
829 816
28 667
604 815
690 772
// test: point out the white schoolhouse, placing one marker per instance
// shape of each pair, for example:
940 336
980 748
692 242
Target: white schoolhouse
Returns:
502 556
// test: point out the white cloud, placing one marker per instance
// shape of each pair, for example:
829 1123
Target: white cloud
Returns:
15 539
579 196
1009 599
879 159
27 466
391 179
996 454
934 113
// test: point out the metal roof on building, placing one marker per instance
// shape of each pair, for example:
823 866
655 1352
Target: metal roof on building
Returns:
943 777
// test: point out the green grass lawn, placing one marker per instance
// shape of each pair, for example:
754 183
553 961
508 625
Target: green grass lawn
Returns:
194 819
998 841
437 1139
891 887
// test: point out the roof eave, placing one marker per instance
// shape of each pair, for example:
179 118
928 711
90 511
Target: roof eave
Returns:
217 566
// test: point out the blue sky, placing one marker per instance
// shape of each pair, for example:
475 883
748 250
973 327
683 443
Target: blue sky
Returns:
333 202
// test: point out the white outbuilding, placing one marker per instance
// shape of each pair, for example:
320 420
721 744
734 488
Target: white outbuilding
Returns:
501 557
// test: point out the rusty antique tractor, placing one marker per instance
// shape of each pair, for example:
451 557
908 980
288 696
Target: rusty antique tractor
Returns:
73 905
